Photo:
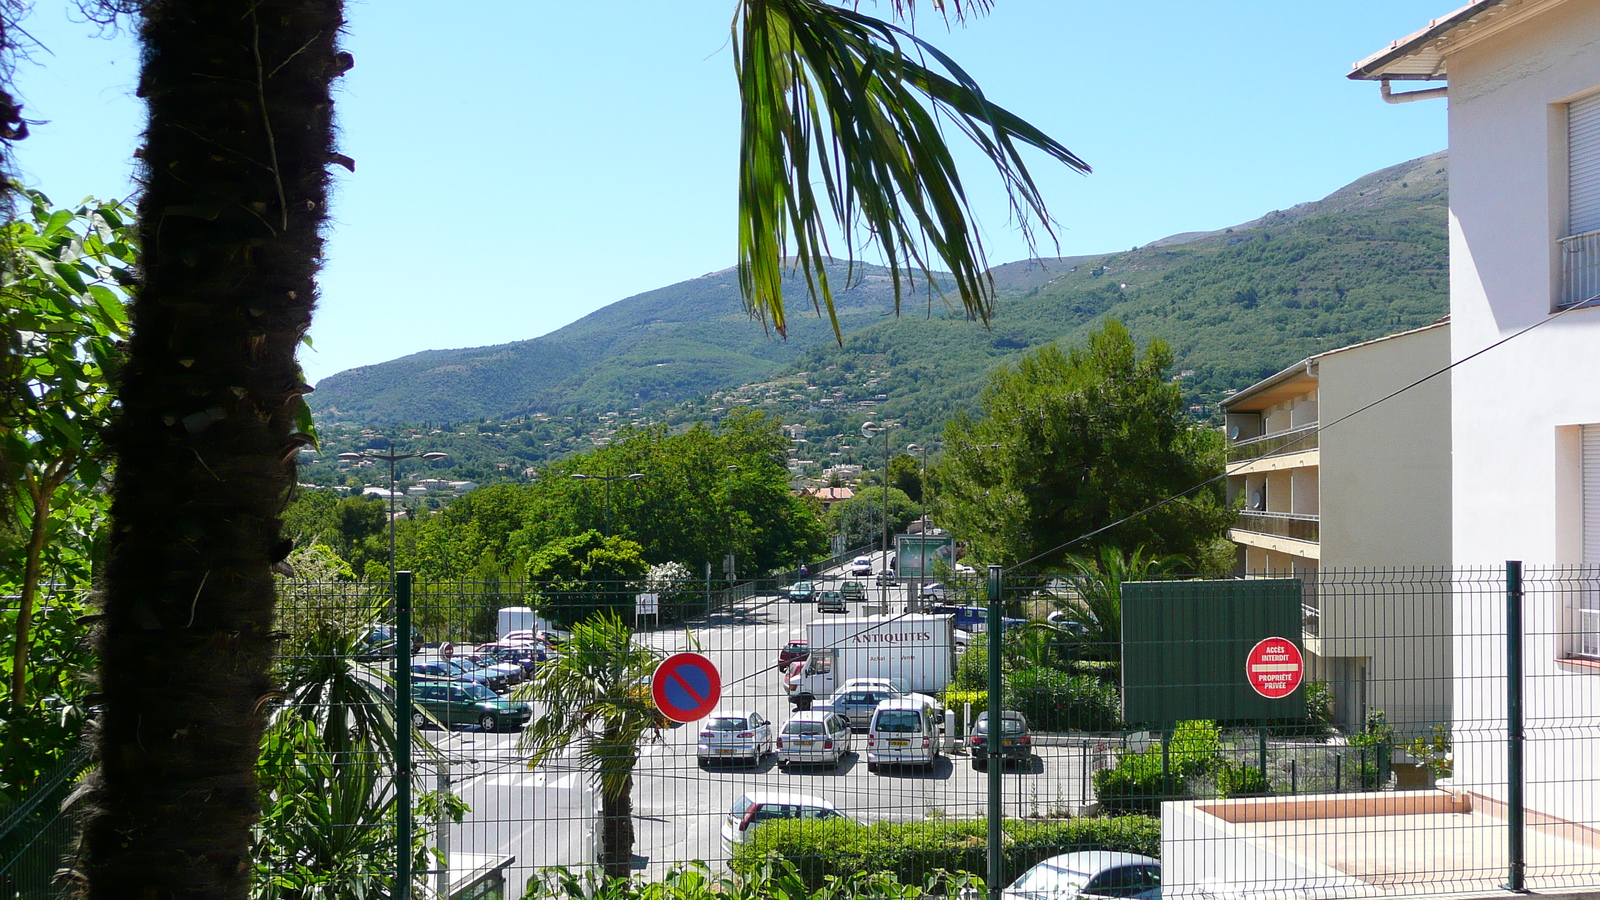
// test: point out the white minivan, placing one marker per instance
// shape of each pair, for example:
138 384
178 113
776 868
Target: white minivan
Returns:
903 732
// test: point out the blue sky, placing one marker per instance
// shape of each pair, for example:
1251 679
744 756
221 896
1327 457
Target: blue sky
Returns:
521 163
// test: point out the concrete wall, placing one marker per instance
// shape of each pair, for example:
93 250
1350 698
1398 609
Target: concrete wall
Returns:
1511 407
1386 472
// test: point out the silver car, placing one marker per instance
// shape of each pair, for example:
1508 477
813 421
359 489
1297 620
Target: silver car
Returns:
814 738
735 735
1091 873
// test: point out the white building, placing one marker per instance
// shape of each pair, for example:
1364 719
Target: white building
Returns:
1524 94
1523 87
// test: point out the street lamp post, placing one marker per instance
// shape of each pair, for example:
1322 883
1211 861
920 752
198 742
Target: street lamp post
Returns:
870 430
392 458
608 479
922 559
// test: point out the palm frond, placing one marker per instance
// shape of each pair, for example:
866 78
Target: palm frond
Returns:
836 112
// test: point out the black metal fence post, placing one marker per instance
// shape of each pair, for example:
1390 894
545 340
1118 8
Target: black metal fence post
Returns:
996 626
1517 873
402 733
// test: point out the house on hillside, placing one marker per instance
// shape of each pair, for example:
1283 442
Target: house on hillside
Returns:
1523 87
1329 496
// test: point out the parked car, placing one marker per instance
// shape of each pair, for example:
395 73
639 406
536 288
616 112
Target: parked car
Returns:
1064 622
831 602
1016 740
1096 873
802 592
453 670
796 650
933 590
511 673
857 698
733 735
756 807
814 738
902 732
454 703
853 590
861 565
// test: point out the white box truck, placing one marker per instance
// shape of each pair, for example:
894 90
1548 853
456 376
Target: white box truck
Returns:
522 618
918 650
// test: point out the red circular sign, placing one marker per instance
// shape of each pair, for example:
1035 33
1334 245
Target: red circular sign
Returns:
1274 667
685 687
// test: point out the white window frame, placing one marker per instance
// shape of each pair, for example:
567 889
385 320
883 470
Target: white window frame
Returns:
1579 249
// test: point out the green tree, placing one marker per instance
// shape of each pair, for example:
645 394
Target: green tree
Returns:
860 518
235 158
905 473
573 578
596 697
1073 443
61 315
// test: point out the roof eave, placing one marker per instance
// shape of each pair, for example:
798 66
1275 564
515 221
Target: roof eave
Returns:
1373 67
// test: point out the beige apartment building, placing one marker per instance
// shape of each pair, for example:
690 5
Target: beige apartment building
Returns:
1336 488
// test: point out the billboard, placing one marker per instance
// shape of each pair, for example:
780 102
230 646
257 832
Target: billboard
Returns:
915 553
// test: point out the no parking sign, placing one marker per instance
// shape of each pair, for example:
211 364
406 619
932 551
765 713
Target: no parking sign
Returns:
686 687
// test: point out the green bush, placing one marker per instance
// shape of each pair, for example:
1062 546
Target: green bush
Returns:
1136 784
1241 781
911 851
1055 701
972 669
955 700
1195 748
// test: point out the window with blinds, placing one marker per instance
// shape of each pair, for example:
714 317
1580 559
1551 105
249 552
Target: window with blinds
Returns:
1580 256
1585 639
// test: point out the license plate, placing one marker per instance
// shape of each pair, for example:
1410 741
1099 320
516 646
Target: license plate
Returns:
899 743
1007 743
805 743
724 752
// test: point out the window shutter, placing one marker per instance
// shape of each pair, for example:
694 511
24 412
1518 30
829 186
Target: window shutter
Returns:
1583 165
1591 494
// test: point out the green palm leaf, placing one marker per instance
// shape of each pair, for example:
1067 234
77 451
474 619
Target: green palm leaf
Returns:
837 113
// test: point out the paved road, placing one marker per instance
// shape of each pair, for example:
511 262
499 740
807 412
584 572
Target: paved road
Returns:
680 807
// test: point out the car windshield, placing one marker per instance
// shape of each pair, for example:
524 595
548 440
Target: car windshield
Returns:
899 720
479 692
803 728
1009 725
729 723
1047 879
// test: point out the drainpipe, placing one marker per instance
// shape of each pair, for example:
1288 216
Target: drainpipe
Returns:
1408 96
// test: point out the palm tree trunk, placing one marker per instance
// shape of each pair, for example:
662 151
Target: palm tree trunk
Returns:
235 184
616 830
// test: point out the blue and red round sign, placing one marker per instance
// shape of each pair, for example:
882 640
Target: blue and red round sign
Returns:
686 687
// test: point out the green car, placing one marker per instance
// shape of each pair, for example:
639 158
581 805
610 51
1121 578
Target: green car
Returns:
464 703
854 590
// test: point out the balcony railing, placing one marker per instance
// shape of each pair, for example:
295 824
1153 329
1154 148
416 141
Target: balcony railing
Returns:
1289 525
1279 442
1580 268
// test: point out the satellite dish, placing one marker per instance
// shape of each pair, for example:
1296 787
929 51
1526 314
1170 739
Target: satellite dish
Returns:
1233 432
1255 500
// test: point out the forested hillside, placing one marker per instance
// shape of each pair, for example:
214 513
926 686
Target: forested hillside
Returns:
1235 305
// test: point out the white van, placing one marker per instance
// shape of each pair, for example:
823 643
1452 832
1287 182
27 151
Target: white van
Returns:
903 732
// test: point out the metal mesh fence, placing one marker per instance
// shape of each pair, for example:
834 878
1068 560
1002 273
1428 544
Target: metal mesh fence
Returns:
848 739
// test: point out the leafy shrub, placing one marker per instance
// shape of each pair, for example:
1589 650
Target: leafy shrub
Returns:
766 880
1434 752
1241 781
1055 701
1195 748
911 851
955 700
1136 784
972 669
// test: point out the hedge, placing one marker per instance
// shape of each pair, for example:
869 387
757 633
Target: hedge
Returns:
910 851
